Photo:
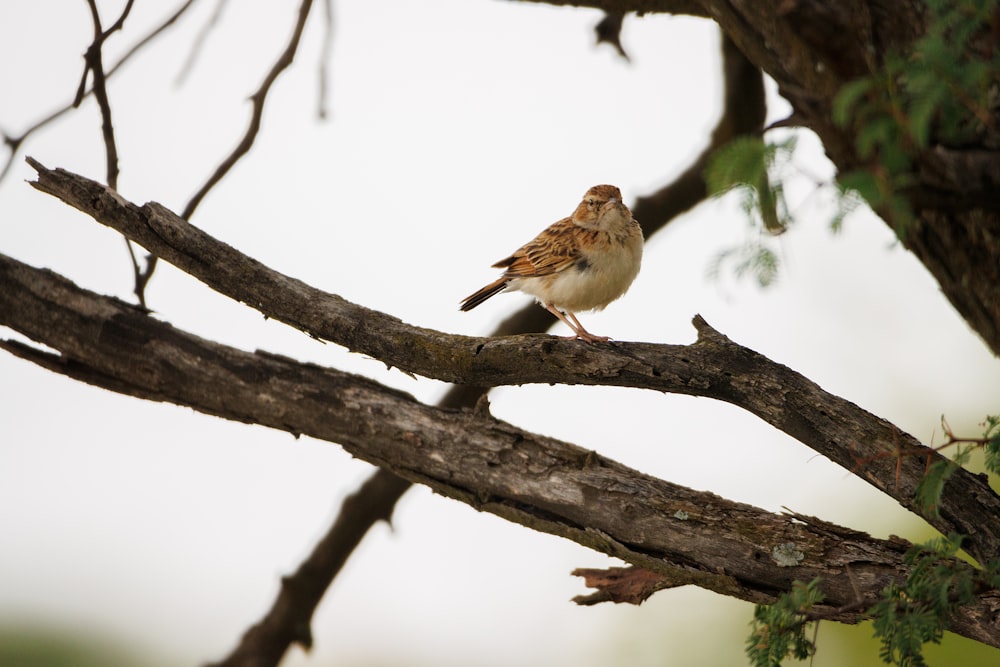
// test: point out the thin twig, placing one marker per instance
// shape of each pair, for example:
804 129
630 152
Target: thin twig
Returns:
136 273
258 99
609 31
15 143
94 64
324 59
246 143
199 42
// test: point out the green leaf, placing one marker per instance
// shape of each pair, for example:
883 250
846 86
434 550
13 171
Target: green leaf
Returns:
750 259
740 162
932 485
877 132
991 433
848 97
768 199
922 111
848 200
909 616
779 630
992 450
863 183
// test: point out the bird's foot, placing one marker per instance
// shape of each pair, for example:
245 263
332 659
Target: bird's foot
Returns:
588 337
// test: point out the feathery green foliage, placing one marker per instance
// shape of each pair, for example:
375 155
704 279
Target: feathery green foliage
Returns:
991 435
909 616
940 92
754 169
929 490
779 630
944 90
905 618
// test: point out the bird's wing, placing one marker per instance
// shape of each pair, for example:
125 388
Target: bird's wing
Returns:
554 250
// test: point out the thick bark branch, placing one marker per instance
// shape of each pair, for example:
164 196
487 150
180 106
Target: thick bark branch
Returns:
552 486
714 366
743 113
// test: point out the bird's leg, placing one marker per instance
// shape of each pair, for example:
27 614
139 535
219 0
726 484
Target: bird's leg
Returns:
583 333
578 330
562 318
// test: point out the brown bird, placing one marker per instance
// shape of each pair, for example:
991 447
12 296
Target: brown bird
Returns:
583 262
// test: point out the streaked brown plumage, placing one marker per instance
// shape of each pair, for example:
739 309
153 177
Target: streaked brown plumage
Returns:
583 262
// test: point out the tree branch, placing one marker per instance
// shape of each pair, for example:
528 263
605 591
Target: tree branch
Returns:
540 482
290 617
257 113
322 103
199 42
681 7
715 367
743 113
94 64
258 99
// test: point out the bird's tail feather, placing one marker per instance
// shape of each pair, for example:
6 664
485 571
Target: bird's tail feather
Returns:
476 298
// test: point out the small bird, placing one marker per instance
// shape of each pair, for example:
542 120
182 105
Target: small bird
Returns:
583 262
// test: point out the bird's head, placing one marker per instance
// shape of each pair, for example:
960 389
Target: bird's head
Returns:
602 206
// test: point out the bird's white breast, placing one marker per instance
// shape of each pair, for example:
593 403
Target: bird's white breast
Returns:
604 273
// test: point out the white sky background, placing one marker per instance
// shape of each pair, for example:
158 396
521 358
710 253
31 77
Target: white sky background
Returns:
458 131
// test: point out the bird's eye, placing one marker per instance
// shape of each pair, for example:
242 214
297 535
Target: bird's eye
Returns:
591 202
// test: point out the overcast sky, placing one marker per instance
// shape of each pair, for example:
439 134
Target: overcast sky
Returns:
458 131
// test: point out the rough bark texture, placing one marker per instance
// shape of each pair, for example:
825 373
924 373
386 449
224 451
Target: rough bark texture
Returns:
713 367
687 536
743 112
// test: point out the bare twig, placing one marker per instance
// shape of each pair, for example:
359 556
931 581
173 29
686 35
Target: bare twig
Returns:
100 91
744 111
258 99
953 439
199 42
15 143
609 31
324 60
138 281
94 65
246 143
